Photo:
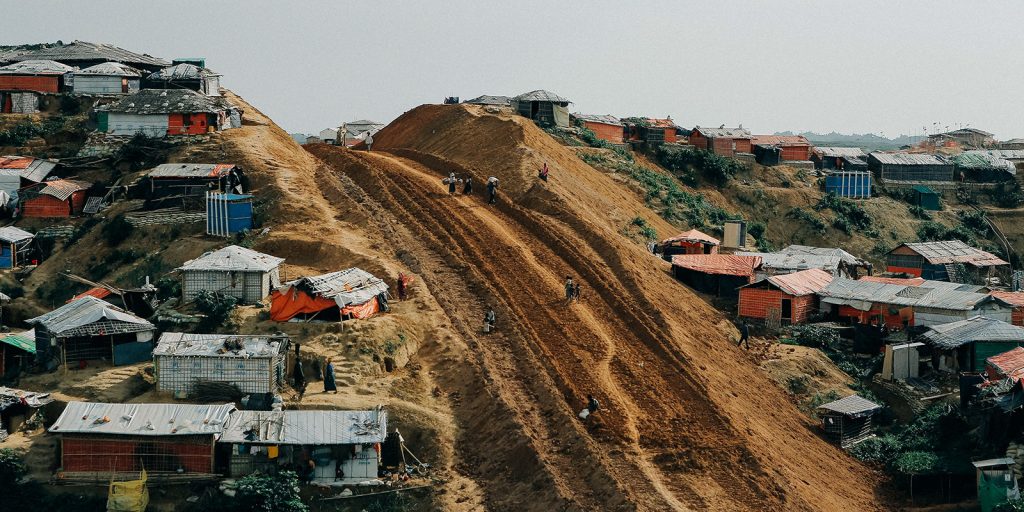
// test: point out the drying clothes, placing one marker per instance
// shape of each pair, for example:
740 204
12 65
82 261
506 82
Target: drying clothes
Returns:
271 452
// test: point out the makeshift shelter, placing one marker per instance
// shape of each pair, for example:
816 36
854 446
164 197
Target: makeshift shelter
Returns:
669 129
1016 301
178 180
18 406
997 483
925 198
1006 365
493 101
967 137
848 420
910 167
901 361
718 274
161 113
17 352
830 158
106 78
966 344
983 166
110 438
795 258
354 132
186 76
349 293
88 329
253 363
688 242
228 214
722 141
17 172
57 198
544 107
15 246
949 260
605 127
849 184
83 54
788 298
650 131
233 270
262 440
41 76
789 148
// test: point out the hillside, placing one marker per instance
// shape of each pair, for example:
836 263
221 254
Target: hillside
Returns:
687 420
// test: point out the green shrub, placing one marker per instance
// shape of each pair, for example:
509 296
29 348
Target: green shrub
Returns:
681 160
798 384
756 229
168 287
216 307
809 218
916 463
270 493
116 231
878 450
848 214
920 213
12 467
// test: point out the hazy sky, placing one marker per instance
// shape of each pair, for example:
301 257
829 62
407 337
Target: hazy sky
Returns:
852 66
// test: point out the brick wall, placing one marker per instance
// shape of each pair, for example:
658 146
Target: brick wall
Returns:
30 83
608 132
755 303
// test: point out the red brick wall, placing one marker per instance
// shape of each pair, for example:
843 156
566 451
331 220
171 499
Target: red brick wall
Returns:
723 147
744 146
670 135
698 140
755 303
796 152
47 206
29 83
1017 317
608 132
124 454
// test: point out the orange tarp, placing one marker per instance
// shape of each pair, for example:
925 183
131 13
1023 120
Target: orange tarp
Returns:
285 305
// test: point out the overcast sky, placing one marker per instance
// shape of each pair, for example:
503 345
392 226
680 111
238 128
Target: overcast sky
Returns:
853 66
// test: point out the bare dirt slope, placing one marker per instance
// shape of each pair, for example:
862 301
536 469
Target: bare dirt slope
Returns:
688 421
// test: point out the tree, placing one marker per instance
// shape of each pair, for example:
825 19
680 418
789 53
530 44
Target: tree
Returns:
216 307
270 493
12 468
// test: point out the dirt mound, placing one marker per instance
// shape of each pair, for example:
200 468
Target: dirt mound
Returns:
687 419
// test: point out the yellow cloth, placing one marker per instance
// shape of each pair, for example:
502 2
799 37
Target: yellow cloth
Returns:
271 452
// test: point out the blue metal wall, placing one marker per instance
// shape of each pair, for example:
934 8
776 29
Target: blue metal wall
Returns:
6 261
849 185
237 208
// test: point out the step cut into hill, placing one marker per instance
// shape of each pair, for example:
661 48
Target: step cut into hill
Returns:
687 422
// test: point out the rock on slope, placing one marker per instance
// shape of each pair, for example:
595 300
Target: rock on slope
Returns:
688 421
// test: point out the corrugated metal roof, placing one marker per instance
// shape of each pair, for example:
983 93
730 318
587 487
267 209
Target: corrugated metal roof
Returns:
109 69
212 345
853 404
306 427
85 51
804 282
166 101
975 328
142 419
667 122
693 235
29 168
21 340
1013 298
541 95
73 317
62 189
845 257
953 251
837 152
908 158
597 118
234 258
183 71
346 287
785 262
358 128
498 101
913 281
780 140
13 234
735 133
862 294
36 67
185 170
721 264
1009 364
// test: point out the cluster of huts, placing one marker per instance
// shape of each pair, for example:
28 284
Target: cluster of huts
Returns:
348 134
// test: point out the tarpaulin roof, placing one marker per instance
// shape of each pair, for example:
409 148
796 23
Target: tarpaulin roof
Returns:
85 51
62 189
843 256
598 118
911 281
975 328
908 158
345 287
692 235
735 133
13 234
109 69
234 258
853 405
779 261
862 294
837 152
166 101
541 95
804 282
1013 298
98 292
183 71
142 419
186 170
21 340
306 427
780 140
1009 364
953 251
77 317
11 396
498 101
722 264
212 345
36 67
983 160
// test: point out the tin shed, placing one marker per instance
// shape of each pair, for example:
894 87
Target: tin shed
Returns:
948 260
57 198
89 329
926 198
966 344
718 274
688 242
788 298
15 246
233 270
40 76
106 78
254 363
722 141
848 420
910 166
188 179
544 107
228 214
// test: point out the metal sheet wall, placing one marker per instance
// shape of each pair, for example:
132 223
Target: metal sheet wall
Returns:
154 125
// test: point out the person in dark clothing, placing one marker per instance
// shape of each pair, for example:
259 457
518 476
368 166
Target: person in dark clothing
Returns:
329 383
569 288
401 286
744 335
492 190
300 379
467 186
592 404
451 183
576 293
489 319
543 174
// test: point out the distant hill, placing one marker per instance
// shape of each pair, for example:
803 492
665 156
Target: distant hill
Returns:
866 141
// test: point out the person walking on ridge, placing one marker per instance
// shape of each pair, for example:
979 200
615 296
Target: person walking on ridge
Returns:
489 320
576 292
744 335
467 187
592 407
543 174
451 183
492 190
570 289
329 383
